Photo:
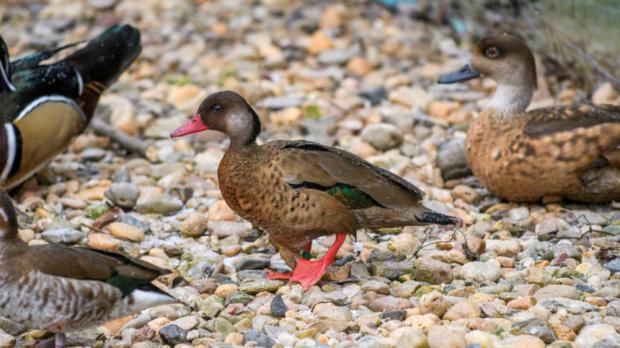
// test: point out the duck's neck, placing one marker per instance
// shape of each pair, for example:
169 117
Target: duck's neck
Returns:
511 99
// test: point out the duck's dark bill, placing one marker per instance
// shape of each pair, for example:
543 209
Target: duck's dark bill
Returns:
465 73
193 126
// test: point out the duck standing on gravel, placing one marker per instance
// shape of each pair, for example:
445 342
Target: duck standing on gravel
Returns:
569 151
60 289
300 190
42 107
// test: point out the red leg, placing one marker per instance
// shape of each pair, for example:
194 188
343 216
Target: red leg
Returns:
309 272
308 247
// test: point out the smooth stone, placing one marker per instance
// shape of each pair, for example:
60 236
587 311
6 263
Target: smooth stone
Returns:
173 334
374 94
382 136
126 231
258 337
187 323
278 307
64 235
389 303
480 339
557 290
445 337
123 194
592 336
432 271
522 341
103 241
220 211
222 326
255 286
391 269
394 315
376 286
405 289
536 327
613 308
409 337
463 310
223 229
509 247
6 340
481 271
211 306
572 306
194 225
163 205
434 302
276 103
613 265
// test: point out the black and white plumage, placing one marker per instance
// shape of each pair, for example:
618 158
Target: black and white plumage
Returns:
43 106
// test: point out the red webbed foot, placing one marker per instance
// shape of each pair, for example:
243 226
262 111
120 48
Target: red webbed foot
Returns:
309 272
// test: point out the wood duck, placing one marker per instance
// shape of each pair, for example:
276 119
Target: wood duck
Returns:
44 106
58 288
300 190
567 151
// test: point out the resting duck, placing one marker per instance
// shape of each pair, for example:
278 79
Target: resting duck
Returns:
567 151
42 107
58 288
300 190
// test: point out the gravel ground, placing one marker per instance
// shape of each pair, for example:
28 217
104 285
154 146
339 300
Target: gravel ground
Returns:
348 74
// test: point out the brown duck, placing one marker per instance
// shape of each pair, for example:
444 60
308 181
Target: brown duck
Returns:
300 190
59 289
568 151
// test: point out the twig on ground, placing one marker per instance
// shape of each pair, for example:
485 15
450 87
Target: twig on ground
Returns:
135 145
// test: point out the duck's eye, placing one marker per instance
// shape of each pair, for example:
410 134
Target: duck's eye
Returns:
491 52
217 108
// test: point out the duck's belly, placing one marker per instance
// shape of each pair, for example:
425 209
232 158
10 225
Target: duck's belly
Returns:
292 217
56 304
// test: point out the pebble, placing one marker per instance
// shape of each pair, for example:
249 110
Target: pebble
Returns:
445 337
389 304
593 336
6 340
382 136
163 205
408 337
462 310
103 241
123 194
434 302
258 285
466 193
481 271
126 231
521 341
278 307
556 290
432 271
173 334
194 225
64 235
536 327
220 211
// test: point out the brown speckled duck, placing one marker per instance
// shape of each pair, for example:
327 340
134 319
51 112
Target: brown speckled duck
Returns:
300 190
60 289
568 151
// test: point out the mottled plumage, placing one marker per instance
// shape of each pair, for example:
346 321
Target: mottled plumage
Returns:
44 106
568 151
60 289
300 190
